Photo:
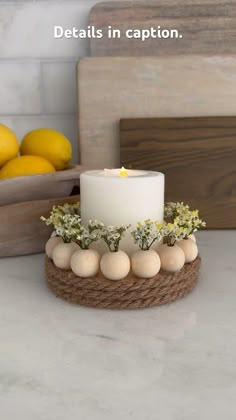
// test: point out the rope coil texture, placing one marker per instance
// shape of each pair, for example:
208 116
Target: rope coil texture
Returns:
129 293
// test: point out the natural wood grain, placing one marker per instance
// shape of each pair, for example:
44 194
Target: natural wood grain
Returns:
21 230
114 88
197 155
39 187
207 27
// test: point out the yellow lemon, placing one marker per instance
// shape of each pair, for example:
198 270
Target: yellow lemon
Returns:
26 165
9 147
50 144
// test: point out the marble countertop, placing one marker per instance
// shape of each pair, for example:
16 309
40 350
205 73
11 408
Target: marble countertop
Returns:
176 362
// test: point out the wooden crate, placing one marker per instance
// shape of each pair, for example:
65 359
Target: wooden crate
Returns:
39 187
21 230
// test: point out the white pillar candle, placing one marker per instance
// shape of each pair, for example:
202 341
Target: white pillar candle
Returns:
120 196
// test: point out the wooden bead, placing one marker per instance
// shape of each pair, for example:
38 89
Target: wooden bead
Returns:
189 248
145 264
62 254
85 262
50 245
115 265
172 257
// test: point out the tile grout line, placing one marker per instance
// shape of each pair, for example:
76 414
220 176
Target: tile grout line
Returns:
43 60
42 115
41 88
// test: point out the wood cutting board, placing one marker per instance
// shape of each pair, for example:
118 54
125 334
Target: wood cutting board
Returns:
135 87
207 27
197 155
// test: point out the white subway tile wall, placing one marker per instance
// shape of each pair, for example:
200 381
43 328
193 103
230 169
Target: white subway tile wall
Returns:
19 88
37 72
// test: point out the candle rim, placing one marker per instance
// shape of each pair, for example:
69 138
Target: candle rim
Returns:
99 173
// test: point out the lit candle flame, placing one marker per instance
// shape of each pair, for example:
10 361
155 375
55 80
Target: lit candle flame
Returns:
123 172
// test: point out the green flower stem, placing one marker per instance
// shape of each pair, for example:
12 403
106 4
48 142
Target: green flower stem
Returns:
170 241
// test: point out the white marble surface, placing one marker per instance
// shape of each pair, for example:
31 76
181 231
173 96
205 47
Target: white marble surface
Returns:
176 362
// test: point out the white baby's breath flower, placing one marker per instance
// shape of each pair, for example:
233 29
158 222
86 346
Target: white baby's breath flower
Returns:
67 224
180 215
112 236
146 233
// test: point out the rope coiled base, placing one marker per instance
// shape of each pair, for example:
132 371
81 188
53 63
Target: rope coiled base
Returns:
129 293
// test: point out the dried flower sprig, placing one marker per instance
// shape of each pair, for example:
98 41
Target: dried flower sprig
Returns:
65 225
190 221
172 210
172 232
56 215
69 208
146 234
86 235
181 215
113 235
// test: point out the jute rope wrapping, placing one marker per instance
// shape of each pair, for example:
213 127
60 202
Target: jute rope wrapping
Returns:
129 293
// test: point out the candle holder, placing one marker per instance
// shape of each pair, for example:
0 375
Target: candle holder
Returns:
116 281
129 293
